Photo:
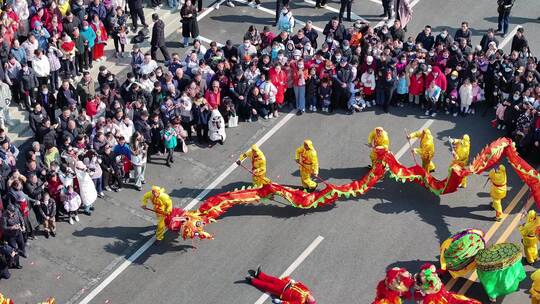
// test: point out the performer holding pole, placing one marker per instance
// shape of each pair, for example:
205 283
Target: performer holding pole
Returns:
378 138
460 152
258 165
306 157
529 238
426 149
498 189
162 207
286 290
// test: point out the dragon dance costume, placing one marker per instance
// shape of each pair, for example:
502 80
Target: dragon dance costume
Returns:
162 205
529 238
286 289
535 287
426 149
258 165
378 138
429 289
395 286
306 156
499 269
498 189
458 252
462 148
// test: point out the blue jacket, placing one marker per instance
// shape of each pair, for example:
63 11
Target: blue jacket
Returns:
402 87
89 35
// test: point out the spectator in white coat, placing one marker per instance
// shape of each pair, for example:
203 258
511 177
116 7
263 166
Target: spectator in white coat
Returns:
466 96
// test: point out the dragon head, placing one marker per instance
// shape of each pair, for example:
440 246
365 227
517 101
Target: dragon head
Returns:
190 224
427 280
398 279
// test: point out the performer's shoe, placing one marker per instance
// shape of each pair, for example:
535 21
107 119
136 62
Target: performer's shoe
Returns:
259 270
157 242
248 279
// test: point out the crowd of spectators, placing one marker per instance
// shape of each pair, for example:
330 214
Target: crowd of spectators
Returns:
97 135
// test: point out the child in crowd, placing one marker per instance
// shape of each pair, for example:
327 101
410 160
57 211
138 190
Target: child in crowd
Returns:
325 94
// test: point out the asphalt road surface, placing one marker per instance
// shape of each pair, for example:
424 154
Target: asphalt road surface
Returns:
340 252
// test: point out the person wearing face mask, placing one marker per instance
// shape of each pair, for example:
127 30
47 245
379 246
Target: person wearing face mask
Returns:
336 28
247 49
285 22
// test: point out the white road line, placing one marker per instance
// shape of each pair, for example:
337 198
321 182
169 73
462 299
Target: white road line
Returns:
206 40
335 10
406 147
376 1
118 271
231 168
189 206
271 12
509 37
295 264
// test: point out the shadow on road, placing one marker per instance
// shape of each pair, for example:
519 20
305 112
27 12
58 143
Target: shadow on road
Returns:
125 240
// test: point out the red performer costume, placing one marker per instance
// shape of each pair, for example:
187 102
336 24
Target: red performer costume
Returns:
394 286
101 38
286 289
430 290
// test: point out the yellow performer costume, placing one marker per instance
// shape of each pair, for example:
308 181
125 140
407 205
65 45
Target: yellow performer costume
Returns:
258 165
535 288
378 138
5 300
498 189
426 149
462 148
306 157
162 206
528 236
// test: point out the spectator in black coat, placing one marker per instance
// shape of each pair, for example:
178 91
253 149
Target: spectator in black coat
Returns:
487 38
158 38
519 42
13 228
426 38
464 32
9 258
336 28
36 117
136 11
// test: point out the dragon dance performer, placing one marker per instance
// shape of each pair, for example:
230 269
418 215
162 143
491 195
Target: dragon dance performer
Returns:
528 236
394 286
377 138
460 152
258 165
306 157
498 189
162 207
287 290
426 149
429 289
5 300
535 287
